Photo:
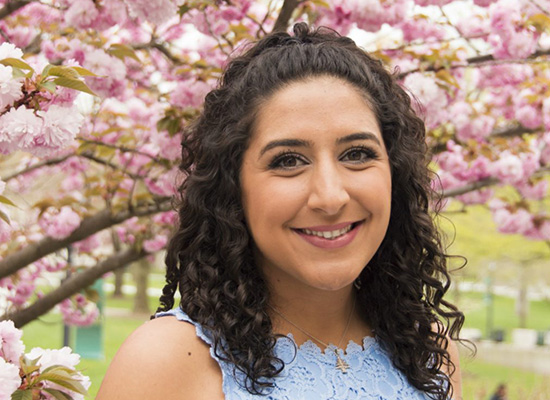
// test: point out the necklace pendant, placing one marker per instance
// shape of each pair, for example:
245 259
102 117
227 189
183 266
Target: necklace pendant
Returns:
341 364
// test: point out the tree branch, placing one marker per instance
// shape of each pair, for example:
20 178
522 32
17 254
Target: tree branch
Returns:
89 226
473 186
477 61
13 6
52 161
470 187
284 16
71 286
508 132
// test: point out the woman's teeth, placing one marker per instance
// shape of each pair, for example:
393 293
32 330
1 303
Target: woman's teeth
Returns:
329 234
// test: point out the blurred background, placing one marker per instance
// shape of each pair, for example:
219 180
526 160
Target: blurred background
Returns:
94 96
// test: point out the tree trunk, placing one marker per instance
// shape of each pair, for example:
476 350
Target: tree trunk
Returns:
141 271
119 273
119 281
522 303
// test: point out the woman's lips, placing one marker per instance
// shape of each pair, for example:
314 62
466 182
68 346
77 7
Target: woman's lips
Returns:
327 243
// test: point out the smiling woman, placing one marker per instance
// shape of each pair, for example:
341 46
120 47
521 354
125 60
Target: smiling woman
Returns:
304 226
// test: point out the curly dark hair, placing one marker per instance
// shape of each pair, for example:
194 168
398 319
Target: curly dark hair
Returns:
210 256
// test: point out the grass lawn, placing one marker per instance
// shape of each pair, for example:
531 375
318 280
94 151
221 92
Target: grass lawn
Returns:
479 379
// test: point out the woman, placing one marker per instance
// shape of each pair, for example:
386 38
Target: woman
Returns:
308 264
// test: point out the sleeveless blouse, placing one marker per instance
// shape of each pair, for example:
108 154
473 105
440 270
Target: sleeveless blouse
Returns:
311 374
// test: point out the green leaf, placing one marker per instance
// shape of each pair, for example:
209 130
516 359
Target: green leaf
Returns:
67 72
14 62
75 84
58 394
18 72
83 71
55 368
5 217
540 22
7 201
19 394
64 379
49 86
122 51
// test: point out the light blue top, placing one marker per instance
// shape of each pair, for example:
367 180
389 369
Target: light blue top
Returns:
310 374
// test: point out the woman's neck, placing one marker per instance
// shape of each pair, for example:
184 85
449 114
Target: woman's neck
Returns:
325 317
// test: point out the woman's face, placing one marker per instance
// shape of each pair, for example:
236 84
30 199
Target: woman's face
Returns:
316 184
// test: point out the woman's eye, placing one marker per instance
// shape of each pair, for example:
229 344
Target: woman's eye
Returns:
287 161
359 155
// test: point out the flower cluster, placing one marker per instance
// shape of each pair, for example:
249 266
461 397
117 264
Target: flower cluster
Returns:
79 311
33 117
39 374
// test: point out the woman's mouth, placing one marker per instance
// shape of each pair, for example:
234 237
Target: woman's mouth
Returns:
330 237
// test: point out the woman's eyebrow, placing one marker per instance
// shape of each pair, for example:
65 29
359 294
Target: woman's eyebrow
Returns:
285 143
359 136
306 143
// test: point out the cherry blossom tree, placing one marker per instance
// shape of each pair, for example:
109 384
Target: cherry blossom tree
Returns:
94 95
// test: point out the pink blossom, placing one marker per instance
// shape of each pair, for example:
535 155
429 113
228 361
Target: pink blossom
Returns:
508 168
529 116
170 147
520 221
61 224
164 185
504 76
23 290
425 3
60 126
49 358
533 191
516 44
11 346
452 160
111 13
50 265
154 11
431 97
9 379
81 14
478 128
111 74
421 28
89 244
155 244
473 25
73 182
9 50
476 197
189 93
546 113
508 39
17 128
540 231
169 218
64 357
64 49
79 312
483 3
10 87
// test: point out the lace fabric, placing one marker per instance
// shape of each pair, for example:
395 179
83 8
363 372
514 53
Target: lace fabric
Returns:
311 374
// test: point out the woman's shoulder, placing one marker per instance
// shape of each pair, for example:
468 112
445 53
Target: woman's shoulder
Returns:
162 359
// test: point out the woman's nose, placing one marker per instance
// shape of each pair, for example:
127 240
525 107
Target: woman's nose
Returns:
328 193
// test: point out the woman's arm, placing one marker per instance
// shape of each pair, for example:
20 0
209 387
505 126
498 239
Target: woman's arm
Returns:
455 376
162 359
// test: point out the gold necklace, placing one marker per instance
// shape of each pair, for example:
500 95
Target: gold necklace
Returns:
341 364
